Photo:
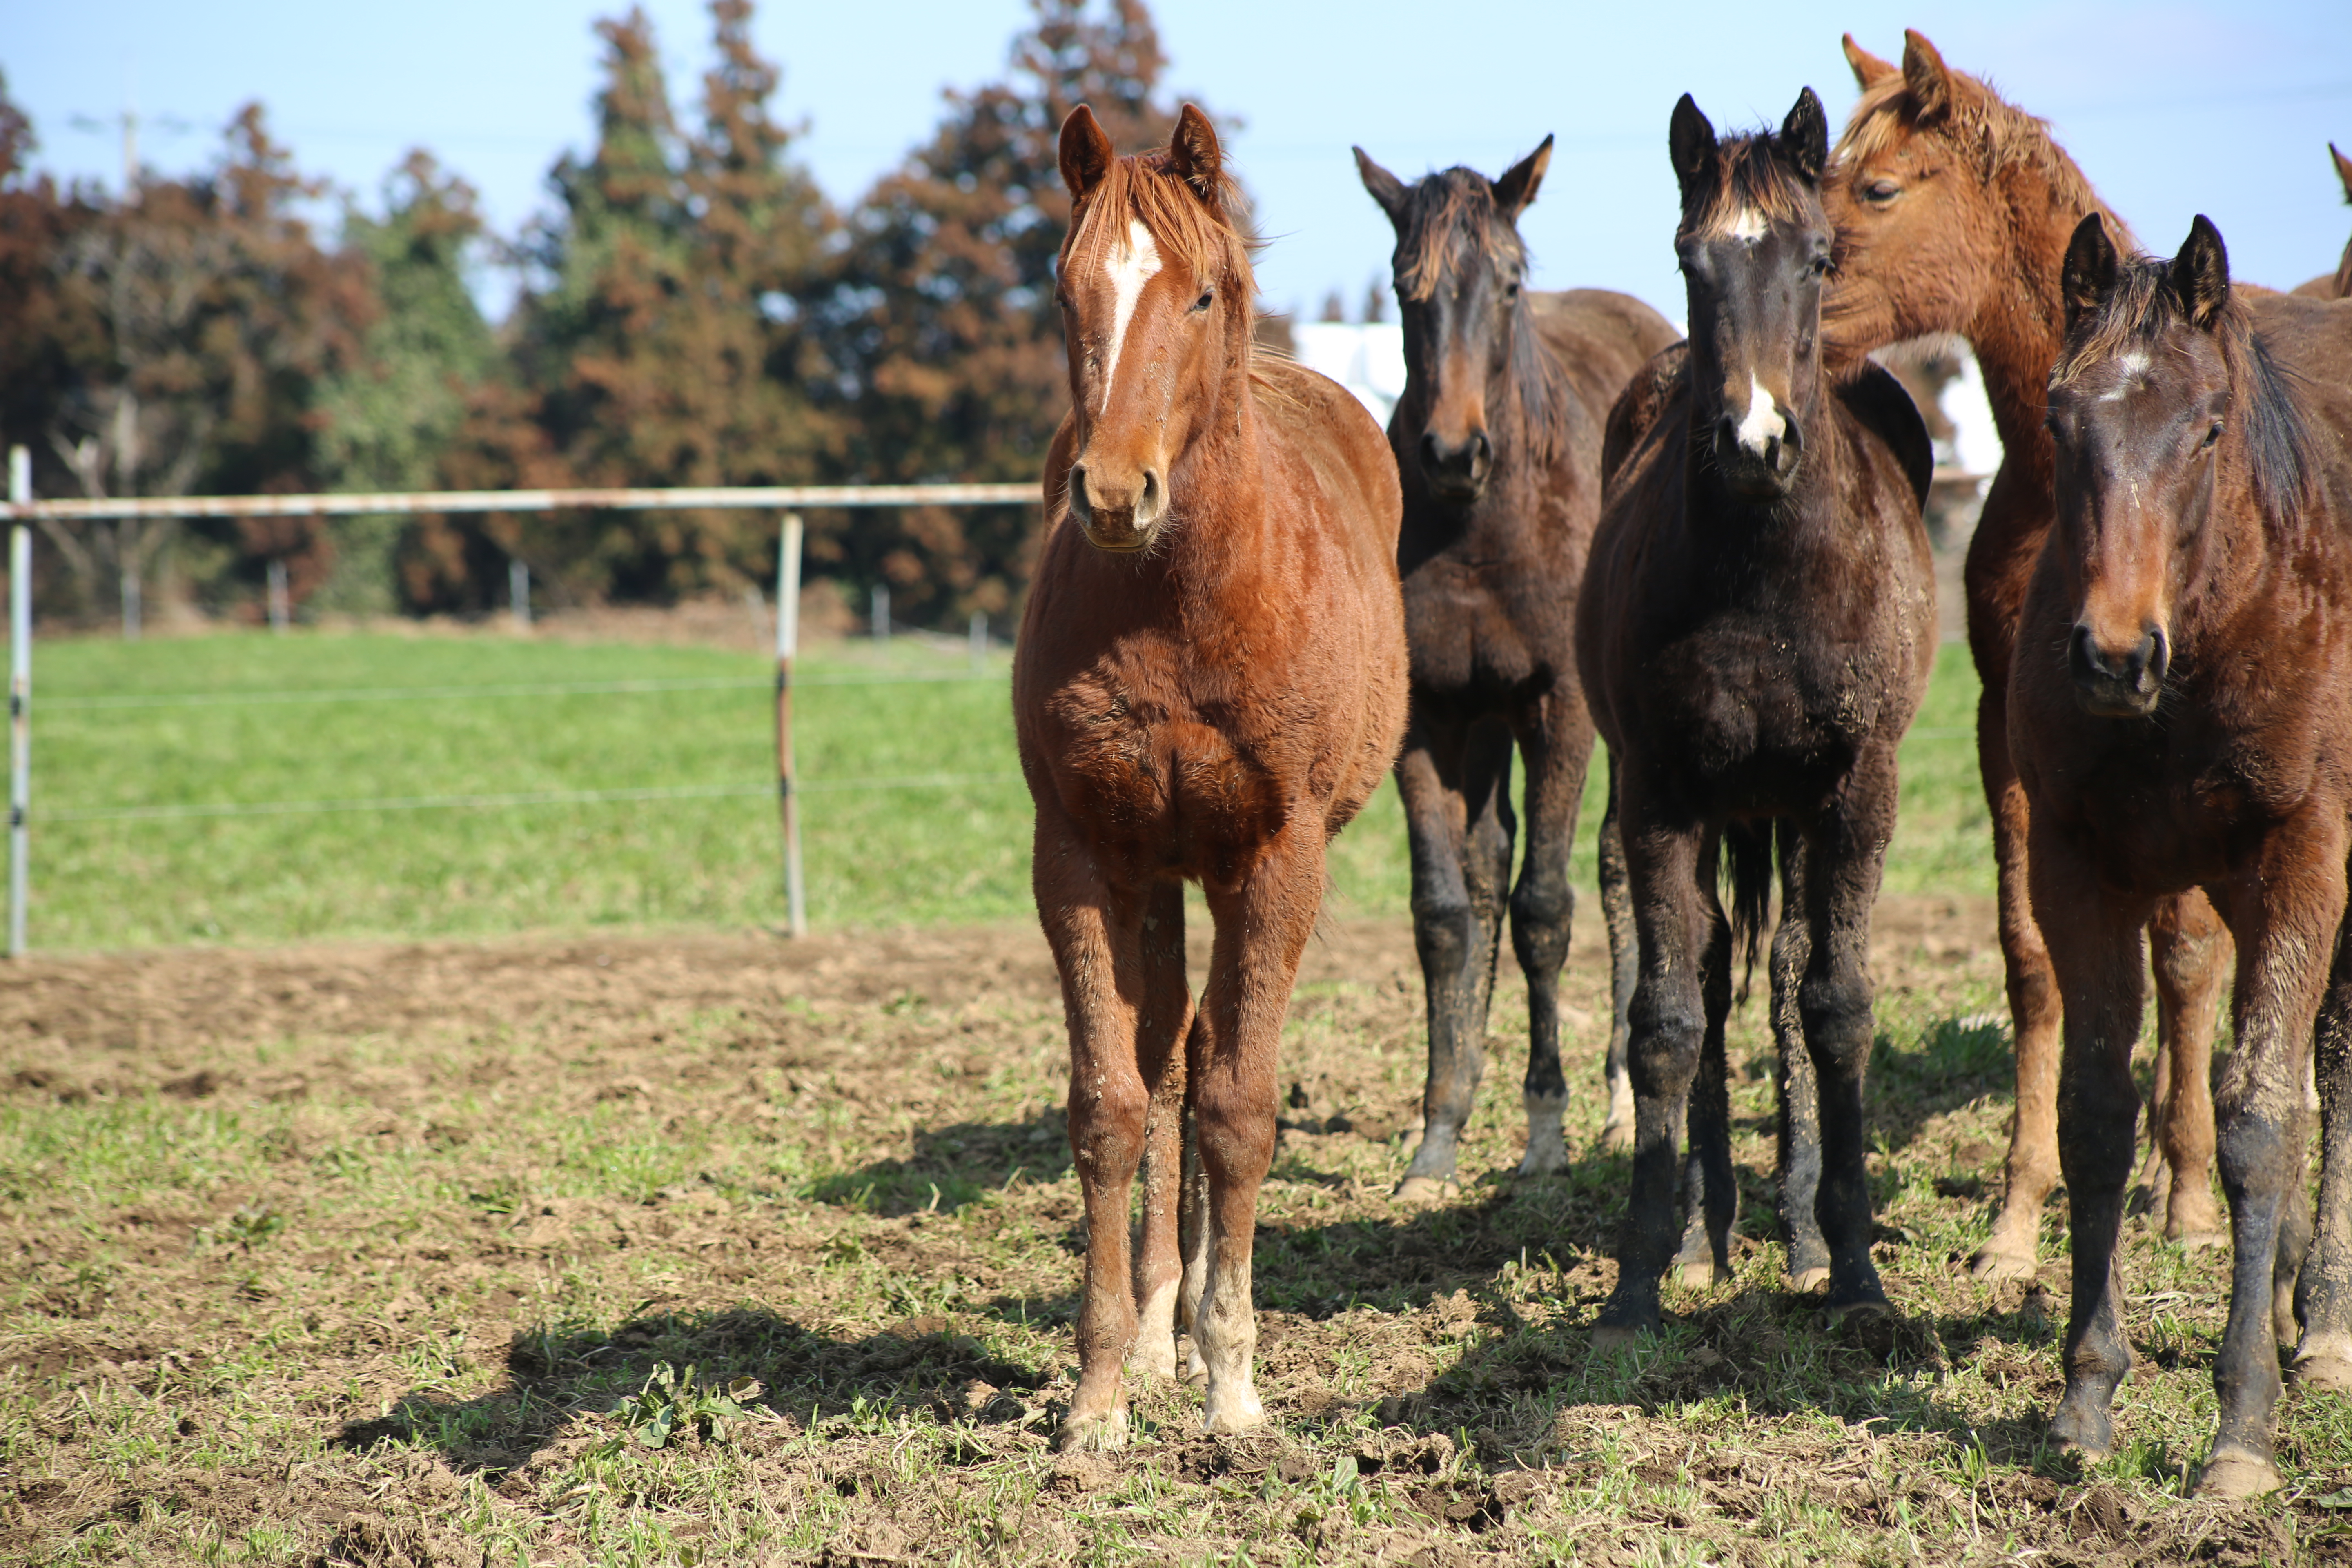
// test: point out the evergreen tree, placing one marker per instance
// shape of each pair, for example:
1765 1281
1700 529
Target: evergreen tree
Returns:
389 420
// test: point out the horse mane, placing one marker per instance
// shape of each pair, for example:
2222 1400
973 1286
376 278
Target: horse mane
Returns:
1748 176
1993 133
2136 316
1447 216
1198 230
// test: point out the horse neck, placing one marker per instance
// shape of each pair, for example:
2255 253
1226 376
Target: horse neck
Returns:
1224 531
2018 327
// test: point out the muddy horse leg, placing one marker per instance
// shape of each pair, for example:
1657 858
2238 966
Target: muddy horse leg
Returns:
2324 1357
1162 1023
1555 736
2189 949
2012 1252
1096 930
1799 1113
1625 970
1262 927
1453 779
1668 1020
1844 860
1710 1194
2287 912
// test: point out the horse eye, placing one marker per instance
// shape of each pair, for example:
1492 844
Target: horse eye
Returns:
1208 297
2212 436
1881 192
1821 266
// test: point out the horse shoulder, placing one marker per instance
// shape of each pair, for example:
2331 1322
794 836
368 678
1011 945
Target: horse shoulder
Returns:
1601 338
1653 389
1322 424
1879 405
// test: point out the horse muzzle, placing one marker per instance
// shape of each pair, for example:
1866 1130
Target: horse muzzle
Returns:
1118 517
2118 684
1456 472
1758 457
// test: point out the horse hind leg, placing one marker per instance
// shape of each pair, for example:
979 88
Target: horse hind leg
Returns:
2190 952
2014 1249
1543 907
1624 971
2323 1358
1798 1112
1163 1026
1710 1191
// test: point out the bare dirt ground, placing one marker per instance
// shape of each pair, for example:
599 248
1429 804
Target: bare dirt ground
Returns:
675 1250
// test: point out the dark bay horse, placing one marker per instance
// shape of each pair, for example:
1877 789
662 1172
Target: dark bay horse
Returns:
1755 634
1953 212
2335 285
2183 719
1497 441
1209 683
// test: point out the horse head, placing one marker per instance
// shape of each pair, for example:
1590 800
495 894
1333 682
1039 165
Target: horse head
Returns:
1460 271
1754 245
1157 296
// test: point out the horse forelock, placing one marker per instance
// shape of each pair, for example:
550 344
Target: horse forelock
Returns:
1145 189
1989 133
1750 185
1447 216
2138 318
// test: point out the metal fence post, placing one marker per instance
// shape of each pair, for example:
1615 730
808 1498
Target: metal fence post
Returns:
20 697
519 591
788 636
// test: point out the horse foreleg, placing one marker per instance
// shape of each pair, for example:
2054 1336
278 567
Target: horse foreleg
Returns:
2012 1251
1625 970
1164 1021
2189 949
2288 910
1095 931
2324 1357
2099 961
1668 1027
1262 927
1800 1112
1710 1195
1555 736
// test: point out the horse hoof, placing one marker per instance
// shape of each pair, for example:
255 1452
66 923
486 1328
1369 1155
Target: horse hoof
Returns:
2331 1372
1805 1281
1704 1276
1869 1310
2194 1241
2232 1474
1229 1413
1092 1433
1157 1359
2088 1434
1609 1338
1617 1137
1427 1190
1552 1161
1995 1262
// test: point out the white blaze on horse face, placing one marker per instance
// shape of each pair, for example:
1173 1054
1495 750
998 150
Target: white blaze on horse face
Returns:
1762 424
1129 270
1748 226
2131 367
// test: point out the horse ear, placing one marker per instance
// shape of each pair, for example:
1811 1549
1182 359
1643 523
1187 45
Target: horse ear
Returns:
1385 187
2343 170
1925 73
1869 71
1804 139
1199 161
1087 153
2090 272
2200 273
1690 140
1516 191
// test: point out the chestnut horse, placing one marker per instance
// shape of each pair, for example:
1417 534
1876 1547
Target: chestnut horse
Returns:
1755 634
1953 211
1497 440
2185 721
1209 683
2335 285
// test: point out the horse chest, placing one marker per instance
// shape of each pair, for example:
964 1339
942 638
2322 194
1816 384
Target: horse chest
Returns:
1473 624
1740 702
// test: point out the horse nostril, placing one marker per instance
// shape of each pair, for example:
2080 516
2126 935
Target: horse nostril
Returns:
2156 654
1482 452
1429 453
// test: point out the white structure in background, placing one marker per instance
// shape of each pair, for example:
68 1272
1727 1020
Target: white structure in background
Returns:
1365 357
1975 444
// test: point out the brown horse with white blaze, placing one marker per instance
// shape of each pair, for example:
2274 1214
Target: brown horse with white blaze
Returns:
2180 714
1497 440
1953 211
1209 683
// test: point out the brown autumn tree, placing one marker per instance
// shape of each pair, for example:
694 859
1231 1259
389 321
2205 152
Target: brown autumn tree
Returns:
664 343
944 327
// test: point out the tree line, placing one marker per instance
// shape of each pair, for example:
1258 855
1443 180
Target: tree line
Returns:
692 310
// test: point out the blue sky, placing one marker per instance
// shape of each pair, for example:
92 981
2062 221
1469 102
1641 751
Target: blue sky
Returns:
2173 108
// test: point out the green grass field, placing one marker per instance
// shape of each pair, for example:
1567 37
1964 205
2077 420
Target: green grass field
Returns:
877 856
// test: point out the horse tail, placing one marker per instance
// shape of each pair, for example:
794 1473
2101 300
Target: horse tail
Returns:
1748 856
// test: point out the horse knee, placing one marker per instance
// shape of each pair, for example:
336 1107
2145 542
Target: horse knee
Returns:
1663 1056
1541 916
1834 1012
1106 1126
2260 1150
1443 932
